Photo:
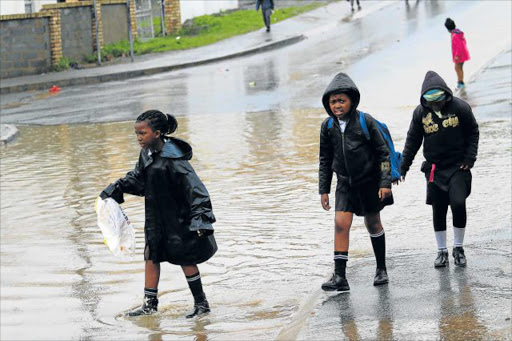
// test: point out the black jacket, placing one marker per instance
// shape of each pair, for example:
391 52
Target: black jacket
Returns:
355 159
177 204
448 142
264 5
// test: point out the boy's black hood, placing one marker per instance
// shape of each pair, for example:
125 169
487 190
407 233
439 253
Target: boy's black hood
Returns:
341 83
434 81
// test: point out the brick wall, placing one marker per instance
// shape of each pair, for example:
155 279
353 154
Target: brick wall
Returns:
172 13
33 43
115 20
25 44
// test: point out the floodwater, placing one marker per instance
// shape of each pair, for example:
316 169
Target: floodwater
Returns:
59 280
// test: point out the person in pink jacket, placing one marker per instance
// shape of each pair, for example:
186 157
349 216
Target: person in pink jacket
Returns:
459 50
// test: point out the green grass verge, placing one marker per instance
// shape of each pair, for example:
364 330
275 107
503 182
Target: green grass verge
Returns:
205 30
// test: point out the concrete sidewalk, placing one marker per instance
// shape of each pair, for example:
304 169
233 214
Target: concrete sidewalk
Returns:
283 33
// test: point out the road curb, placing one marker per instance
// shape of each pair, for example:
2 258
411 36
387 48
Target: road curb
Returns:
145 72
8 133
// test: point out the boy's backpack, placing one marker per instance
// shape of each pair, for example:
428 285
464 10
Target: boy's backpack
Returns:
395 157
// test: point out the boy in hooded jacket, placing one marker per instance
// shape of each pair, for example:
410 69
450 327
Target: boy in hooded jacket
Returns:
363 171
178 211
449 132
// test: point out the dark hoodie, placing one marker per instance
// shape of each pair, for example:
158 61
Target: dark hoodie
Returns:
350 155
448 142
177 204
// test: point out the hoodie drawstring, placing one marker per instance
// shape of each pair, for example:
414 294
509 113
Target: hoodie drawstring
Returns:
431 178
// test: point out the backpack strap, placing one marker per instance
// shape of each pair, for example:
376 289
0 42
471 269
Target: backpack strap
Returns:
329 123
362 121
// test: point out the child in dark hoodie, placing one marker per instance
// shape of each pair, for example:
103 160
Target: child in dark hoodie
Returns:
364 179
178 224
449 132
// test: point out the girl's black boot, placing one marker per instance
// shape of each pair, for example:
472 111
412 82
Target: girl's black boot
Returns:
149 306
201 307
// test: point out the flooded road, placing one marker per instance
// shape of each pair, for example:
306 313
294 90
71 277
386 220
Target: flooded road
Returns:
256 149
275 241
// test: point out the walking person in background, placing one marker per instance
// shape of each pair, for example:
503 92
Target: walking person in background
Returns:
363 169
352 5
459 50
178 212
267 6
448 130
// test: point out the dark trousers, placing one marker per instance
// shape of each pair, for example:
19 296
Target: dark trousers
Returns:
266 16
455 197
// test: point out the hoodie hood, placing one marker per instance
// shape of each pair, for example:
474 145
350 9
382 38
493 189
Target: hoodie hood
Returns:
434 81
175 148
341 83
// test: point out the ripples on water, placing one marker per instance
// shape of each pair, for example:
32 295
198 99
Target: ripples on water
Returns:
275 242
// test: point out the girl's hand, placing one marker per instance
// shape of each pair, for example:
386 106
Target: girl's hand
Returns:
464 167
324 200
384 193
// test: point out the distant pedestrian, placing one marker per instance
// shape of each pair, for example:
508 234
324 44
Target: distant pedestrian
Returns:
352 5
267 7
178 224
362 167
459 50
449 132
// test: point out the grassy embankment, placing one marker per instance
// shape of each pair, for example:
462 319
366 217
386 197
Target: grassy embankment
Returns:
203 30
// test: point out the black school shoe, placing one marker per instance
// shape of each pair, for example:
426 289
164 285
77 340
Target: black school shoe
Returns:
200 308
149 306
381 277
458 256
336 283
442 259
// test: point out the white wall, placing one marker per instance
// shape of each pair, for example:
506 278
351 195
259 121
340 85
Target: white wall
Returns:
18 6
195 8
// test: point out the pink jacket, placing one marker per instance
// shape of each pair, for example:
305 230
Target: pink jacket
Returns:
459 48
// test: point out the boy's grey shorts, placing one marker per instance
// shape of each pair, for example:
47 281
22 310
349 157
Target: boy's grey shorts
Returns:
360 200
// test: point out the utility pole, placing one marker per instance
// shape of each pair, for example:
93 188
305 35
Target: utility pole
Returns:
162 16
98 48
130 36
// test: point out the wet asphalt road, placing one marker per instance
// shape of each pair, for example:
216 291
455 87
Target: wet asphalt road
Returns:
385 41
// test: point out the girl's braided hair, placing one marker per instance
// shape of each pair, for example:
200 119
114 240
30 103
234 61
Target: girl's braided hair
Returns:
157 120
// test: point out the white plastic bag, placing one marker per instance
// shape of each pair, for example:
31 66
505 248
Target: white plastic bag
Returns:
117 230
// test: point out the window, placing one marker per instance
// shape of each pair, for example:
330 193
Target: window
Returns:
29 6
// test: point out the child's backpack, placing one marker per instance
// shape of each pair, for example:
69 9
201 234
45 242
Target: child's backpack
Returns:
394 157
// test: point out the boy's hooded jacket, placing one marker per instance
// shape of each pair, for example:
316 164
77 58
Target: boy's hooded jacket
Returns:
177 204
355 159
449 141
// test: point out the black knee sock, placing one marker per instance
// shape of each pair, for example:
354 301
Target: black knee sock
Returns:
340 263
196 287
151 292
379 248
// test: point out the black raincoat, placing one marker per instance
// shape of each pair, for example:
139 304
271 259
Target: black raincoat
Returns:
177 205
350 155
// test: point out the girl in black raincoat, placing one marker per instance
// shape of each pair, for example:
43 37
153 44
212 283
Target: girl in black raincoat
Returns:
178 212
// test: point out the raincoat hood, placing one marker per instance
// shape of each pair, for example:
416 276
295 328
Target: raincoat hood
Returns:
434 81
341 83
175 148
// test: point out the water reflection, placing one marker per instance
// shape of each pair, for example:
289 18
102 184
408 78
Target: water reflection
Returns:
261 77
458 314
352 319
